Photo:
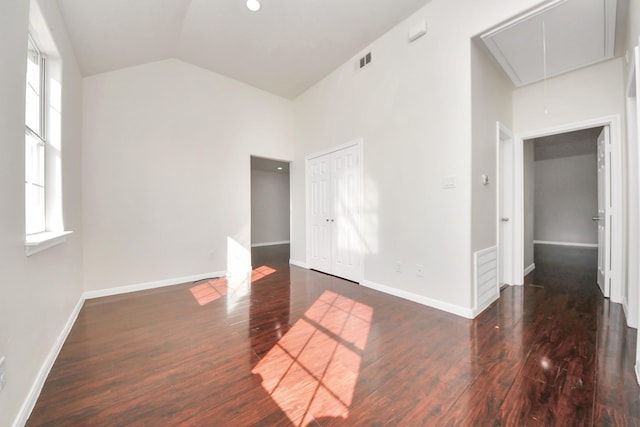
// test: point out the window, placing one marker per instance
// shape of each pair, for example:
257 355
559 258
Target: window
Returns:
35 142
44 226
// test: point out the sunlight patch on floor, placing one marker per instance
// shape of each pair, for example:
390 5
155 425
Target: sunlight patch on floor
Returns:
312 371
209 291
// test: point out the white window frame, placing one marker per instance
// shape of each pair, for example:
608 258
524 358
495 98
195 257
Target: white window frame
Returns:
49 231
38 160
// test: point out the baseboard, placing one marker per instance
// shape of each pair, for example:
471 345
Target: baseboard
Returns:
420 299
259 245
299 264
581 245
43 373
530 268
476 311
151 285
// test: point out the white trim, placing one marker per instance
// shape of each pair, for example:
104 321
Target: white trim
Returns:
259 245
299 264
614 123
151 285
549 242
625 310
638 372
32 397
530 268
477 310
35 243
420 299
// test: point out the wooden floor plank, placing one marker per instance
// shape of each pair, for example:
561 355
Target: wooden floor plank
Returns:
294 347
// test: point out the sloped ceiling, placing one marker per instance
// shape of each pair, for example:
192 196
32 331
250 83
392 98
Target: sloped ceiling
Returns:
285 48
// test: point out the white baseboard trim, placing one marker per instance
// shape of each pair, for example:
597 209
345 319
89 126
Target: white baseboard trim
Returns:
151 285
43 373
478 310
420 299
638 371
259 245
530 268
582 245
299 264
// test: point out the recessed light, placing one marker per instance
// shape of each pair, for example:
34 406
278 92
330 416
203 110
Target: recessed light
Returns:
279 168
253 5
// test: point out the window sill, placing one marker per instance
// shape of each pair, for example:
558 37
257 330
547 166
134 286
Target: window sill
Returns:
35 243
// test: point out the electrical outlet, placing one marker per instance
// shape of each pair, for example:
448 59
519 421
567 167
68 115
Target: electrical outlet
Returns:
3 373
399 267
419 270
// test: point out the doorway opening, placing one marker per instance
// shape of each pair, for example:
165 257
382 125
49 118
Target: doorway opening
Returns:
270 211
566 200
610 232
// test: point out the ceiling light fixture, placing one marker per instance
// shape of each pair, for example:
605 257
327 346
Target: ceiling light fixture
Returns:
279 168
253 5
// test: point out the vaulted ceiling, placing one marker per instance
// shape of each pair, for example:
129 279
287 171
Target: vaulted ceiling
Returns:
284 48
289 45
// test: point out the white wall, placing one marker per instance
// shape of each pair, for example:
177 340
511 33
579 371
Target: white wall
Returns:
529 202
566 197
592 92
38 293
491 102
166 169
412 107
269 207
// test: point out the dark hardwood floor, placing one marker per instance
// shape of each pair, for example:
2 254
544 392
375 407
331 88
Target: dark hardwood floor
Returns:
296 347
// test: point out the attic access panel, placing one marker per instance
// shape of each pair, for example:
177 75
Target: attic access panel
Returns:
578 33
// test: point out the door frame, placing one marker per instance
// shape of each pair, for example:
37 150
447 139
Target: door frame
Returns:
616 173
358 143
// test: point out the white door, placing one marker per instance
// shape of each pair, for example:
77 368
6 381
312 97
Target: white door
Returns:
319 175
604 211
505 206
334 204
346 213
